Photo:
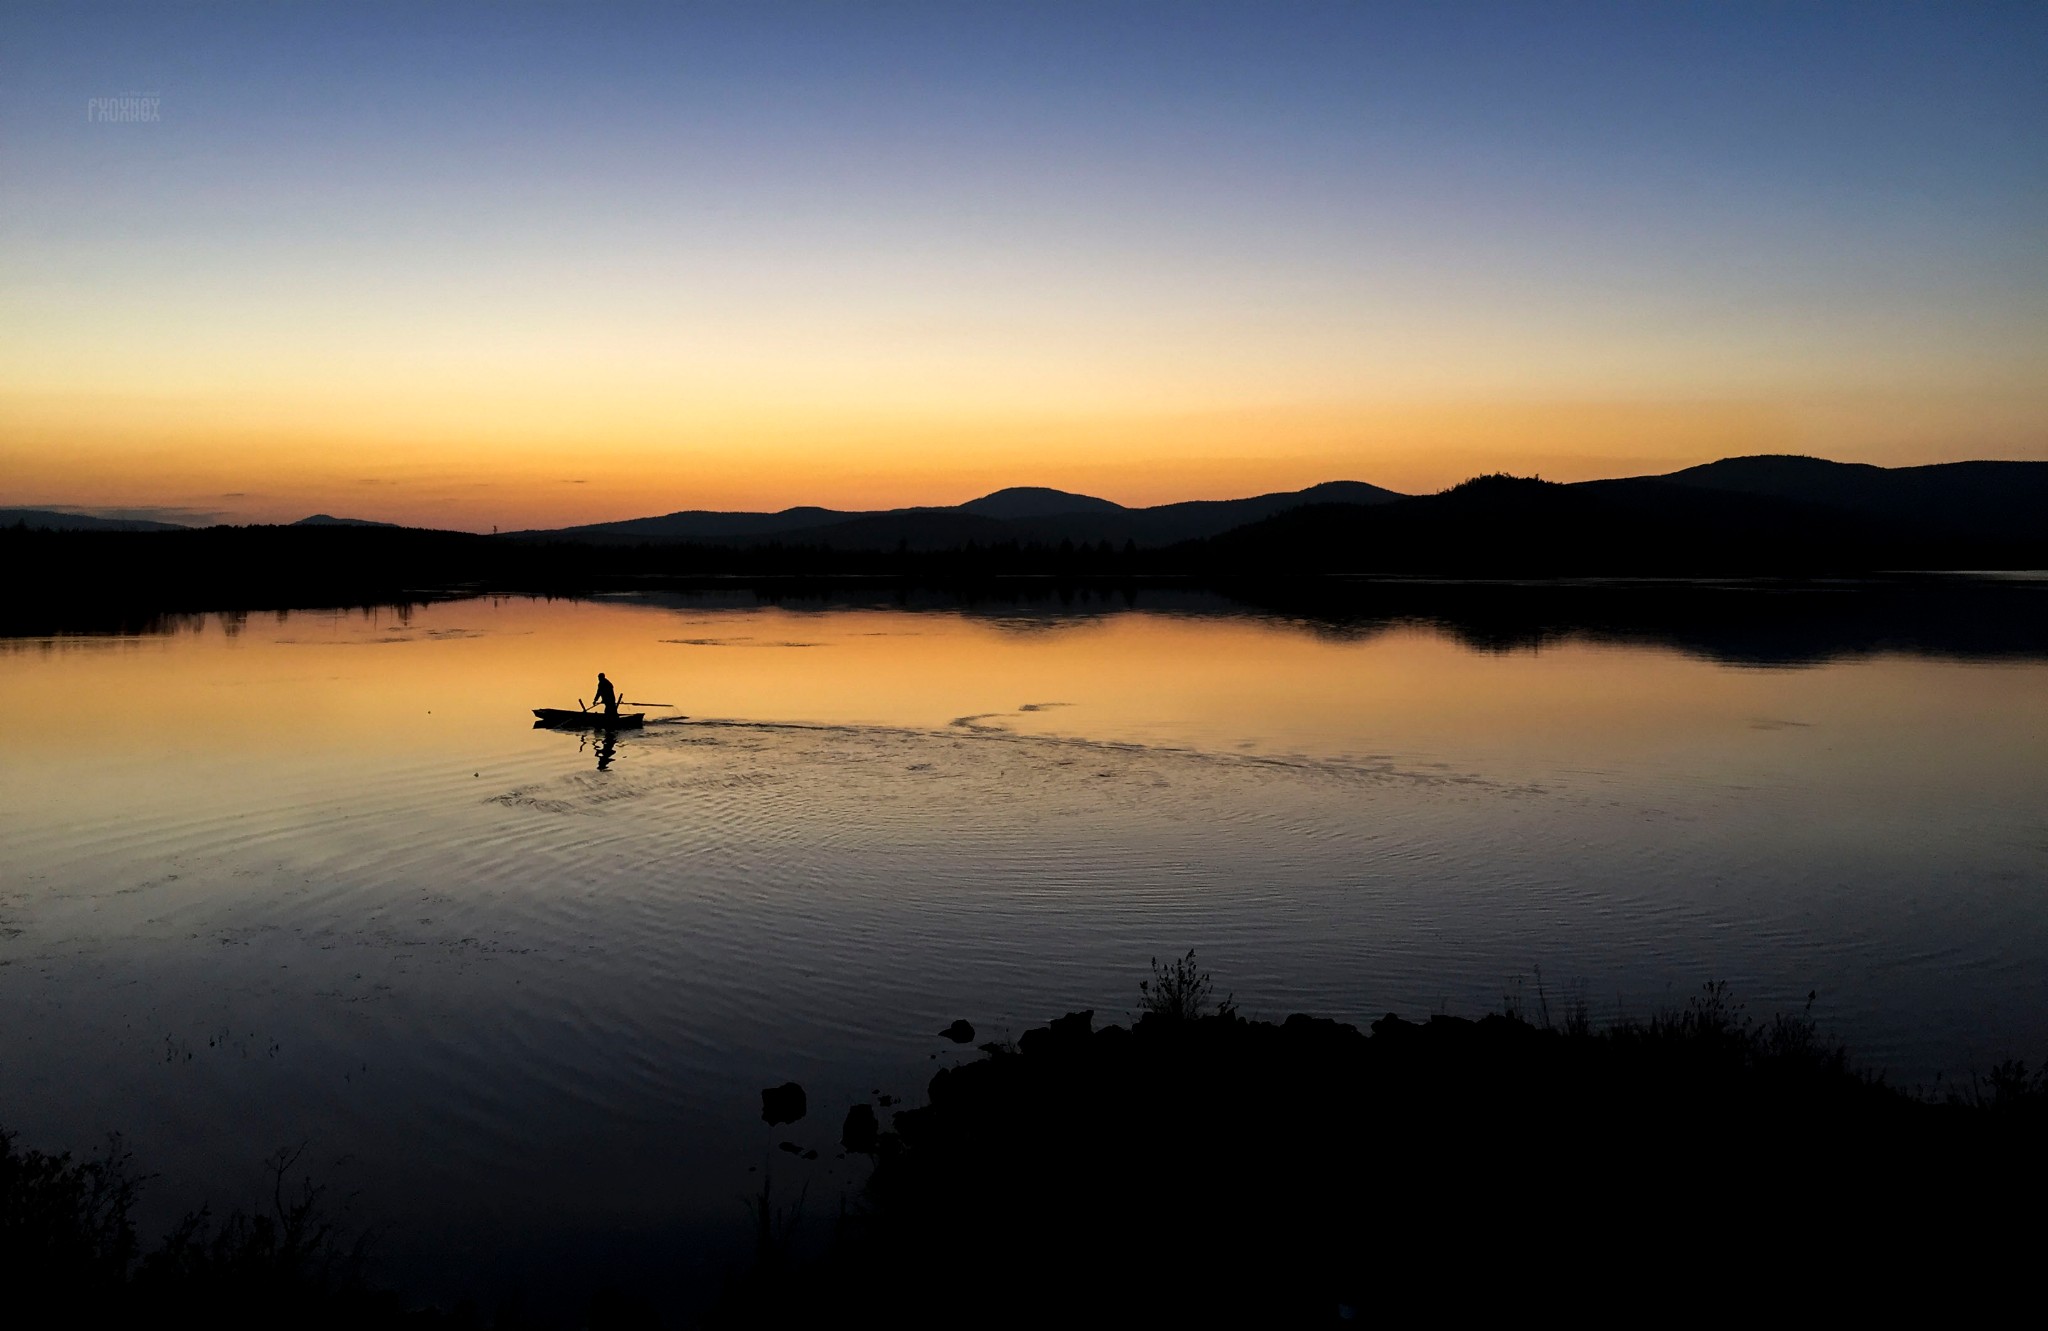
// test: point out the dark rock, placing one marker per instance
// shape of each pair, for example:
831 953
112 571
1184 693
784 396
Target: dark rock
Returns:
791 1147
1065 1035
810 1155
783 1104
861 1129
960 1032
1321 1037
884 1100
1444 1031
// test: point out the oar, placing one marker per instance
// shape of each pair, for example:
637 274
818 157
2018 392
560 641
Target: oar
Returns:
642 702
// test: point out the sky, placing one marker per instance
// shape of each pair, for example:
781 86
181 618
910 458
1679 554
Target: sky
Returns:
476 265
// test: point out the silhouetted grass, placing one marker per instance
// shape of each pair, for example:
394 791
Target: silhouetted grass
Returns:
68 1245
65 1223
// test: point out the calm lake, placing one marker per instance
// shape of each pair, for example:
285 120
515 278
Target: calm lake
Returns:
313 879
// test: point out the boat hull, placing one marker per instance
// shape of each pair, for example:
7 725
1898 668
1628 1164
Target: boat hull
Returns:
562 719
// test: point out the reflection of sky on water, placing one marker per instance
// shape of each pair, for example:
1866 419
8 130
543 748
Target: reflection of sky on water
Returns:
269 886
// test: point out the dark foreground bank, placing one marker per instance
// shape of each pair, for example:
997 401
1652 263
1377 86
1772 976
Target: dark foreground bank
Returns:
1203 1167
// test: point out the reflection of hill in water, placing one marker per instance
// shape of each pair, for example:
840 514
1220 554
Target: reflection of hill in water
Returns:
1744 624
1998 617
1765 623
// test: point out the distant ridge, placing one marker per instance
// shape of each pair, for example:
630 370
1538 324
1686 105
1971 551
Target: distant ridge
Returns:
1024 514
1738 513
2006 499
1036 501
1749 516
46 519
324 520
1741 516
1767 518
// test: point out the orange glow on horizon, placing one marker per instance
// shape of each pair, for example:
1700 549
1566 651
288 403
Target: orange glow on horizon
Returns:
271 465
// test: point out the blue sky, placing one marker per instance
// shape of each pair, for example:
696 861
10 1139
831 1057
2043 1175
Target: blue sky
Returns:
929 245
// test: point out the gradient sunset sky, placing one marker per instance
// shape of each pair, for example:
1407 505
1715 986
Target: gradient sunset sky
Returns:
535 264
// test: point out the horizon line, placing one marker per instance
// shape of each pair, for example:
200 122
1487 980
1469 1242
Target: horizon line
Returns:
146 512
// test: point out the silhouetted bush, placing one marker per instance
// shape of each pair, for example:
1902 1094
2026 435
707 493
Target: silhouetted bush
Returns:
1179 991
294 1257
2009 1089
65 1224
68 1245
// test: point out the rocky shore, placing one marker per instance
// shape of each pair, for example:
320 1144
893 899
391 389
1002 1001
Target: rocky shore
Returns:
1305 1172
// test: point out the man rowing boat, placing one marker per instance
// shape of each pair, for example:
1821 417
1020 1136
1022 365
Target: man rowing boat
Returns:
607 695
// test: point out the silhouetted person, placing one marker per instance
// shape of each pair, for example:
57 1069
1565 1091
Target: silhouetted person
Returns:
607 695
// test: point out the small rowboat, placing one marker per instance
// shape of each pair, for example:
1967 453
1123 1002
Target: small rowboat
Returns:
563 719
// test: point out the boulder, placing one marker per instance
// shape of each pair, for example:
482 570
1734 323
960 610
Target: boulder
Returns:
783 1104
1066 1035
861 1129
960 1032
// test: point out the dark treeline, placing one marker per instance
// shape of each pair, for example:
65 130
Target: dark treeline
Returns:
91 582
84 580
1741 518
1499 561
105 581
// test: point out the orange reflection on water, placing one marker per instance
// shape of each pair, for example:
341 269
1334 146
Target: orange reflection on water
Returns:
455 682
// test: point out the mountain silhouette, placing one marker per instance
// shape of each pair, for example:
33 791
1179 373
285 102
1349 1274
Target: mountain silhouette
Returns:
1025 514
45 519
324 520
913 529
2000 499
1738 515
1036 501
1746 516
696 524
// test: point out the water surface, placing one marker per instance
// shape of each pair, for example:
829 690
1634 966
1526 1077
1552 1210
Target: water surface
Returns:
312 878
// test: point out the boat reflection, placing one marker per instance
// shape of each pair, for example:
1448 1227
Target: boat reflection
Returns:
603 743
